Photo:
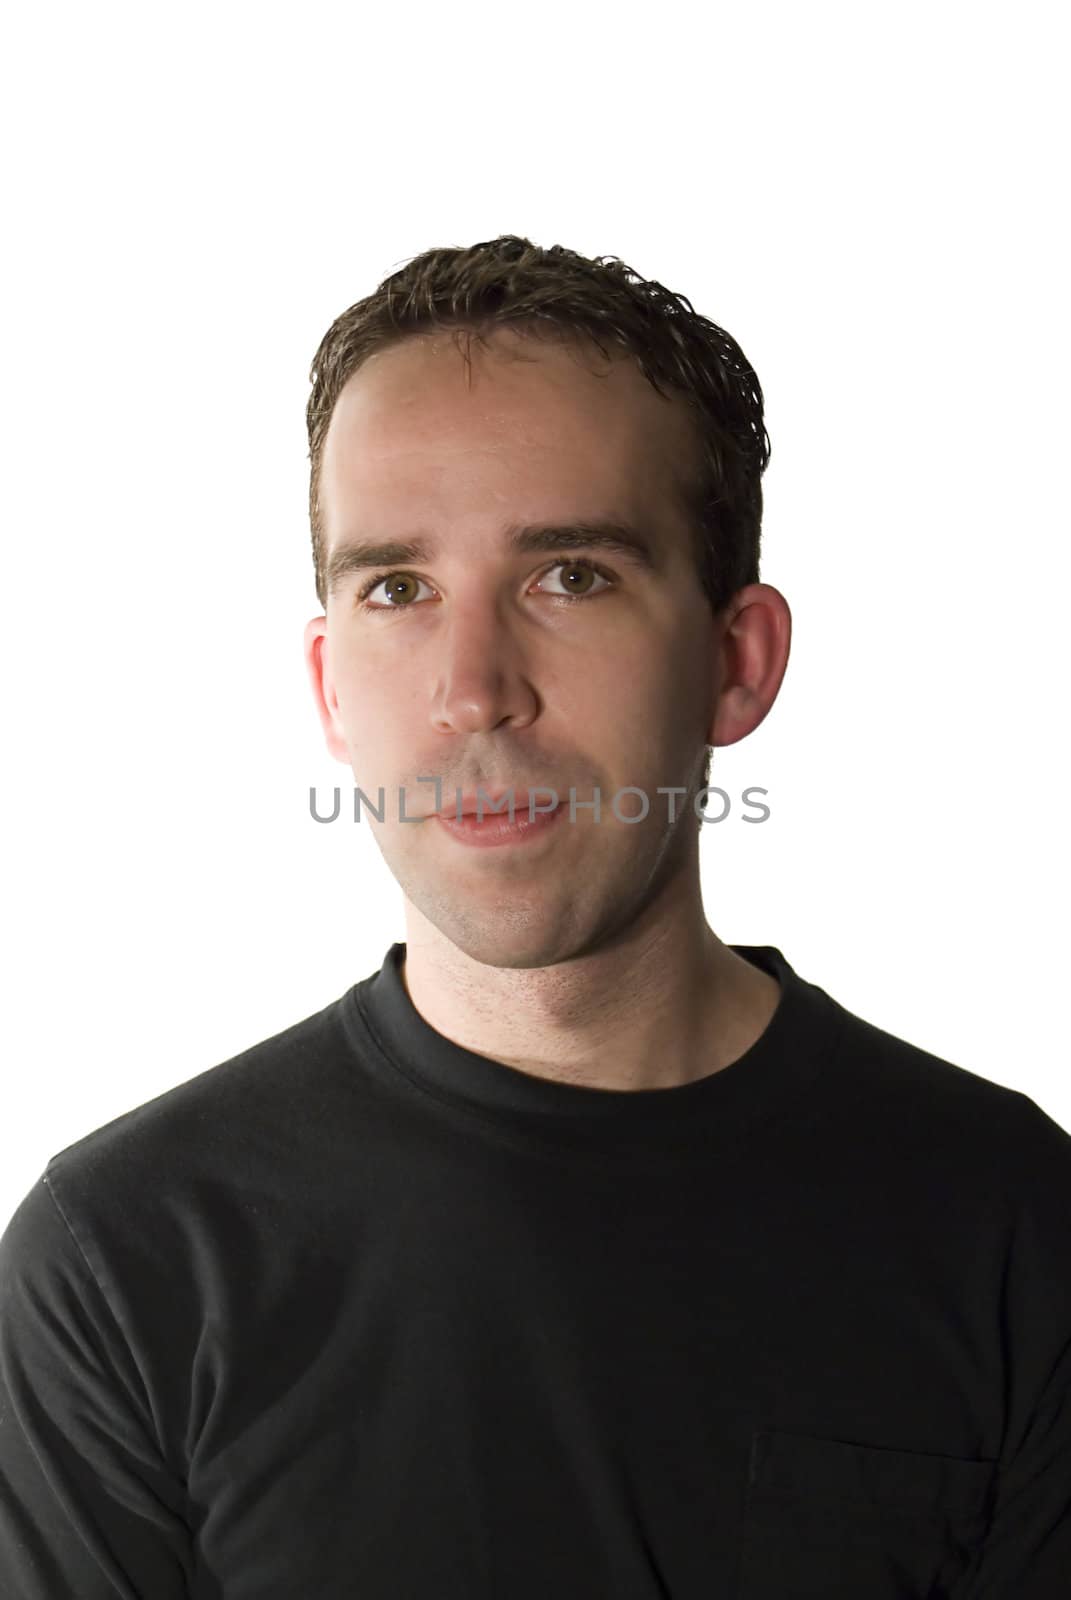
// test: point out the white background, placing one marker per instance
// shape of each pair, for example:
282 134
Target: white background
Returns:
871 200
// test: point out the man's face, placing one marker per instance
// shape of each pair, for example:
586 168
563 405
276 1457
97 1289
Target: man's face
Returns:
474 670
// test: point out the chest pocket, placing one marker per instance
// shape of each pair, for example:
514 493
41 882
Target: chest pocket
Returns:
828 1520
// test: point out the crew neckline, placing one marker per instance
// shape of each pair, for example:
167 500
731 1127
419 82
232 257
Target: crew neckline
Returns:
768 1078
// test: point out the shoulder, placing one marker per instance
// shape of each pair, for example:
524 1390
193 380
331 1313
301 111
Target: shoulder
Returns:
225 1121
906 1092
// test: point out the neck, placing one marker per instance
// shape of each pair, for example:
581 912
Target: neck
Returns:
657 1004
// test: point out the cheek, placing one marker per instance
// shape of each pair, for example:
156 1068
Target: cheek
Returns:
656 713
366 689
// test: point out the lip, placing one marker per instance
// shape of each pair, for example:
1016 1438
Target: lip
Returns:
498 829
486 798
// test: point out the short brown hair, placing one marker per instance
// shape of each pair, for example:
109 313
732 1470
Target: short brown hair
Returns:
509 281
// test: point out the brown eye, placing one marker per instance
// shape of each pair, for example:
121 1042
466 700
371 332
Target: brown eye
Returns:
576 578
400 588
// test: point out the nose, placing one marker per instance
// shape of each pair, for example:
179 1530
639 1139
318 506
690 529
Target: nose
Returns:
482 682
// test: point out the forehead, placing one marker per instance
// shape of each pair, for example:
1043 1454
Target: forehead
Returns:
417 416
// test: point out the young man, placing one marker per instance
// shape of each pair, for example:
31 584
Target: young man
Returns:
575 1252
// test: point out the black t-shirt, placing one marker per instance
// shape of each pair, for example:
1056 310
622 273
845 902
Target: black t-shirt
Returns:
363 1315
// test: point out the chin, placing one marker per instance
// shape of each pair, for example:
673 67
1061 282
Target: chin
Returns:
508 935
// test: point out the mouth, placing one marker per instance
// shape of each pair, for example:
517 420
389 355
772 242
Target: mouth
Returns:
498 799
497 829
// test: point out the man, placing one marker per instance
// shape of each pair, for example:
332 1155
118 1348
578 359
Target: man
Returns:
575 1252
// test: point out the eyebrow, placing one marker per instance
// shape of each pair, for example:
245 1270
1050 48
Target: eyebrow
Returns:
604 533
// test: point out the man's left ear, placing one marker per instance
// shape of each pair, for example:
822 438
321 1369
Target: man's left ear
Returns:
755 640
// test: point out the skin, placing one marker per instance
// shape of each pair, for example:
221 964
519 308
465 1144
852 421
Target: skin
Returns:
584 955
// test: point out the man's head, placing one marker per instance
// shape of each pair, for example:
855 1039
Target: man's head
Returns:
462 409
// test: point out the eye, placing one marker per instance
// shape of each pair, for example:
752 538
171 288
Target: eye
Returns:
402 586
393 581
577 565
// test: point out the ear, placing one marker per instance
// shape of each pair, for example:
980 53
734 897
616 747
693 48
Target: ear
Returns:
318 663
755 637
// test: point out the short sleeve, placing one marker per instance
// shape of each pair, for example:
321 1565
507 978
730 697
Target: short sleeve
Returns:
1027 1552
88 1507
